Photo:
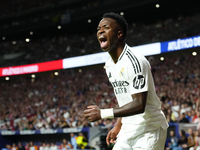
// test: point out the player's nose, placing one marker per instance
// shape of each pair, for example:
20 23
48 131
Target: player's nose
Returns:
101 30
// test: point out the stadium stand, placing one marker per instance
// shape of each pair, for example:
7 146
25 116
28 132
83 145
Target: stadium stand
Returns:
53 45
53 102
70 45
57 102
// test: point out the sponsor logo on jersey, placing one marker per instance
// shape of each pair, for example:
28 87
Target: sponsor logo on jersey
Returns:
120 86
119 83
121 73
139 82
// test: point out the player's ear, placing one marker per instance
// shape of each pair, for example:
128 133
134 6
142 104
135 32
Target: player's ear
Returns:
120 35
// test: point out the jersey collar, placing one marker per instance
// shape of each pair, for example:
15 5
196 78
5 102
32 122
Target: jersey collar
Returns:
123 52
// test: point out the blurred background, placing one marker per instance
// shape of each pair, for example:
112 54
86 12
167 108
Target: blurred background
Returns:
42 108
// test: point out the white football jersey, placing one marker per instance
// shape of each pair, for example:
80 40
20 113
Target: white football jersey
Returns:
131 75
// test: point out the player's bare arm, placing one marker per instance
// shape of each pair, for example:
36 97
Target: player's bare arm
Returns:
137 106
112 134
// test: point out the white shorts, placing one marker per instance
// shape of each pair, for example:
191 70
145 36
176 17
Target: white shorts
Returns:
152 140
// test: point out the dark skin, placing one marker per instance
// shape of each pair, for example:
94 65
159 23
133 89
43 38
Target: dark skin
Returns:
111 39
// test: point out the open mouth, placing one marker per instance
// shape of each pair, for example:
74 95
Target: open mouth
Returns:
103 41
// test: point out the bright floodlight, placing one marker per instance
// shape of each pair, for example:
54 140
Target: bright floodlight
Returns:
194 53
33 76
121 13
59 27
27 40
89 20
55 73
161 58
7 78
157 5
31 33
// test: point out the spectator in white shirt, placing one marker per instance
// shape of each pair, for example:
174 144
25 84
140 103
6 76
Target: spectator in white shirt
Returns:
53 146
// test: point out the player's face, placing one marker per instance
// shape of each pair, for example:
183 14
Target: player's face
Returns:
107 34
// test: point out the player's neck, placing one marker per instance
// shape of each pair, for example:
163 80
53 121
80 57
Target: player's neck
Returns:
115 53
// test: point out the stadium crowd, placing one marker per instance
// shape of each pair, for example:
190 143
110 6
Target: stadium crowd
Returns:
13 6
55 102
69 45
75 142
58 104
17 13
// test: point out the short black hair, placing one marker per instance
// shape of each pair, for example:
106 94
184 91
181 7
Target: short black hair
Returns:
119 19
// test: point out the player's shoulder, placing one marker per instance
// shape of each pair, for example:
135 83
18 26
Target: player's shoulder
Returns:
134 55
134 52
108 61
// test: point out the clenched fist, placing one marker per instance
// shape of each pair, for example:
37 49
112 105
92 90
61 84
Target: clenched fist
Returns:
92 113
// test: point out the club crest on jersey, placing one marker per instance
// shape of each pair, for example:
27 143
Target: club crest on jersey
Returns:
139 82
121 73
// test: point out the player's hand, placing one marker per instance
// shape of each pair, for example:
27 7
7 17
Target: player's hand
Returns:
92 113
112 135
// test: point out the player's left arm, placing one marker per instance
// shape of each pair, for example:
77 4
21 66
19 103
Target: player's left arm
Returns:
139 88
139 85
134 107
137 106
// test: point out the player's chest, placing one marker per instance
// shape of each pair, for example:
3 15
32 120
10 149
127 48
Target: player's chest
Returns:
118 75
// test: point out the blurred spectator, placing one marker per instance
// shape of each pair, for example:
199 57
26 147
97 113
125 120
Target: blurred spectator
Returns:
197 141
73 140
8 147
191 138
27 146
67 144
20 146
14 147
197 121
170 116
32 146
48 146
184 108
53 146
173 141
176 109
182 141
66 114
43 146
62 147
189 116
183 119
81 141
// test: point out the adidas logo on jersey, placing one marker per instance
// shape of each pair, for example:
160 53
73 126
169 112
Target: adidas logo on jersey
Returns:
109 76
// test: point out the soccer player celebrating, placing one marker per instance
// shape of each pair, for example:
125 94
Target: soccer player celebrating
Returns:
141 124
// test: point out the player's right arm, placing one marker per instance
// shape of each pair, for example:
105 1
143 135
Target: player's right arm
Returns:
112 134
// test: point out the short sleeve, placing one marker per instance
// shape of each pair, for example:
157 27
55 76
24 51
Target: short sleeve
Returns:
138 71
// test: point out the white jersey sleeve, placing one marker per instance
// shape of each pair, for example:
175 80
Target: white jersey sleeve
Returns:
138 71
